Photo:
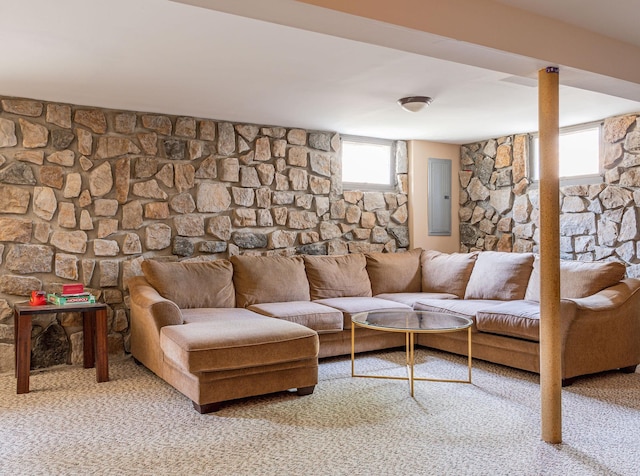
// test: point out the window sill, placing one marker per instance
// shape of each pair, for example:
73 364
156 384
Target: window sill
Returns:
367 187
577 180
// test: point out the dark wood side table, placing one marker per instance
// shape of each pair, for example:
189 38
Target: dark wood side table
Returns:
96 352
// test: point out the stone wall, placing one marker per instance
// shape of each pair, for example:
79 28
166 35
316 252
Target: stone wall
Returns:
86 194
499 205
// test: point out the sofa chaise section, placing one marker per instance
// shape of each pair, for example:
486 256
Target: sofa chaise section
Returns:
186 329
238 355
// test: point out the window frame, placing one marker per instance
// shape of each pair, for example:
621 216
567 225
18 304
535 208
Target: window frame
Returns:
575 179
392 185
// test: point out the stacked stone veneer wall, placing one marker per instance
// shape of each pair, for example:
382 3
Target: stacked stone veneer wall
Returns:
87 194
499 207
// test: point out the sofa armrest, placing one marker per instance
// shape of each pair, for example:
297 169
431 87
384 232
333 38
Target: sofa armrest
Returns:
605 332
149 313
609 298
144 296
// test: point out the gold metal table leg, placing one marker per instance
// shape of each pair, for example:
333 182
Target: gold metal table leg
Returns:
406 346
353 349
412 359
469 351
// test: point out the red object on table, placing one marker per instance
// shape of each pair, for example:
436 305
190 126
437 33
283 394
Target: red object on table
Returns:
38 298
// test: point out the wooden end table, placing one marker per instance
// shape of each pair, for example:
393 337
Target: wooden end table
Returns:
96 352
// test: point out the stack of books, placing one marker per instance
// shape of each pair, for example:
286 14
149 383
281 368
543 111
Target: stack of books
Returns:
71 294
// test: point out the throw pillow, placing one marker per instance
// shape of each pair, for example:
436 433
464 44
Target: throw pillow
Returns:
192 285
446 273
578 279
500 275
394 272
260 279
337 276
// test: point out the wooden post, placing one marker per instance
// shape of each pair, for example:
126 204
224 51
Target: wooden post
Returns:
550 344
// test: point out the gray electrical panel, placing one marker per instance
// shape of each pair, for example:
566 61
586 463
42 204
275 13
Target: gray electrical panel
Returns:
439 197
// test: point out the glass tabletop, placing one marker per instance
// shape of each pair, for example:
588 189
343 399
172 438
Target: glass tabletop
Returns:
417 321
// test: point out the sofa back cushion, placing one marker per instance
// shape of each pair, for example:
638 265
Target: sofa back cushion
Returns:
394 272
578 279
337 276
500 275
192 285
446 273
259 279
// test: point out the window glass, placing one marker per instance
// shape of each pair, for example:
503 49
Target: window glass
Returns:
367 163
579 152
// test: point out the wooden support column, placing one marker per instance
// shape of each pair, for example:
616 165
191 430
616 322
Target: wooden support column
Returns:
550 343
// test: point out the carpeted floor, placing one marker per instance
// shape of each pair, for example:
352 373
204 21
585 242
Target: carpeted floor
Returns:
136 424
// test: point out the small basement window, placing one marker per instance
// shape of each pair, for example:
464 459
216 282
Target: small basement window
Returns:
367 164
578 154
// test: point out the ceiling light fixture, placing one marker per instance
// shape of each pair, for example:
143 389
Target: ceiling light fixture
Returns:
414 103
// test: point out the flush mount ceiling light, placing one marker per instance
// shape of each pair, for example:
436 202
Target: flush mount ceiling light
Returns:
414 103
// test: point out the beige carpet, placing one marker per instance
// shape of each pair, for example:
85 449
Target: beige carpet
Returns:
136 424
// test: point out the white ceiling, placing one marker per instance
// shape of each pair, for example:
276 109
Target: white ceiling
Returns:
279 62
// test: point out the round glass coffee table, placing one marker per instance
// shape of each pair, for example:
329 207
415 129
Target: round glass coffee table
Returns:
410 323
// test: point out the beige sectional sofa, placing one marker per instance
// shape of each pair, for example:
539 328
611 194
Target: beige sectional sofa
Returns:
252 325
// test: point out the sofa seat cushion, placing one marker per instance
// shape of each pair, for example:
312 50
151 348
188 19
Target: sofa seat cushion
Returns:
353 305
311 314
206 314
237 342
465 308
411 298
519 319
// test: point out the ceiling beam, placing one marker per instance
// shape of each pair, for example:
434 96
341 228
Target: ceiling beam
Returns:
495 25
481 33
